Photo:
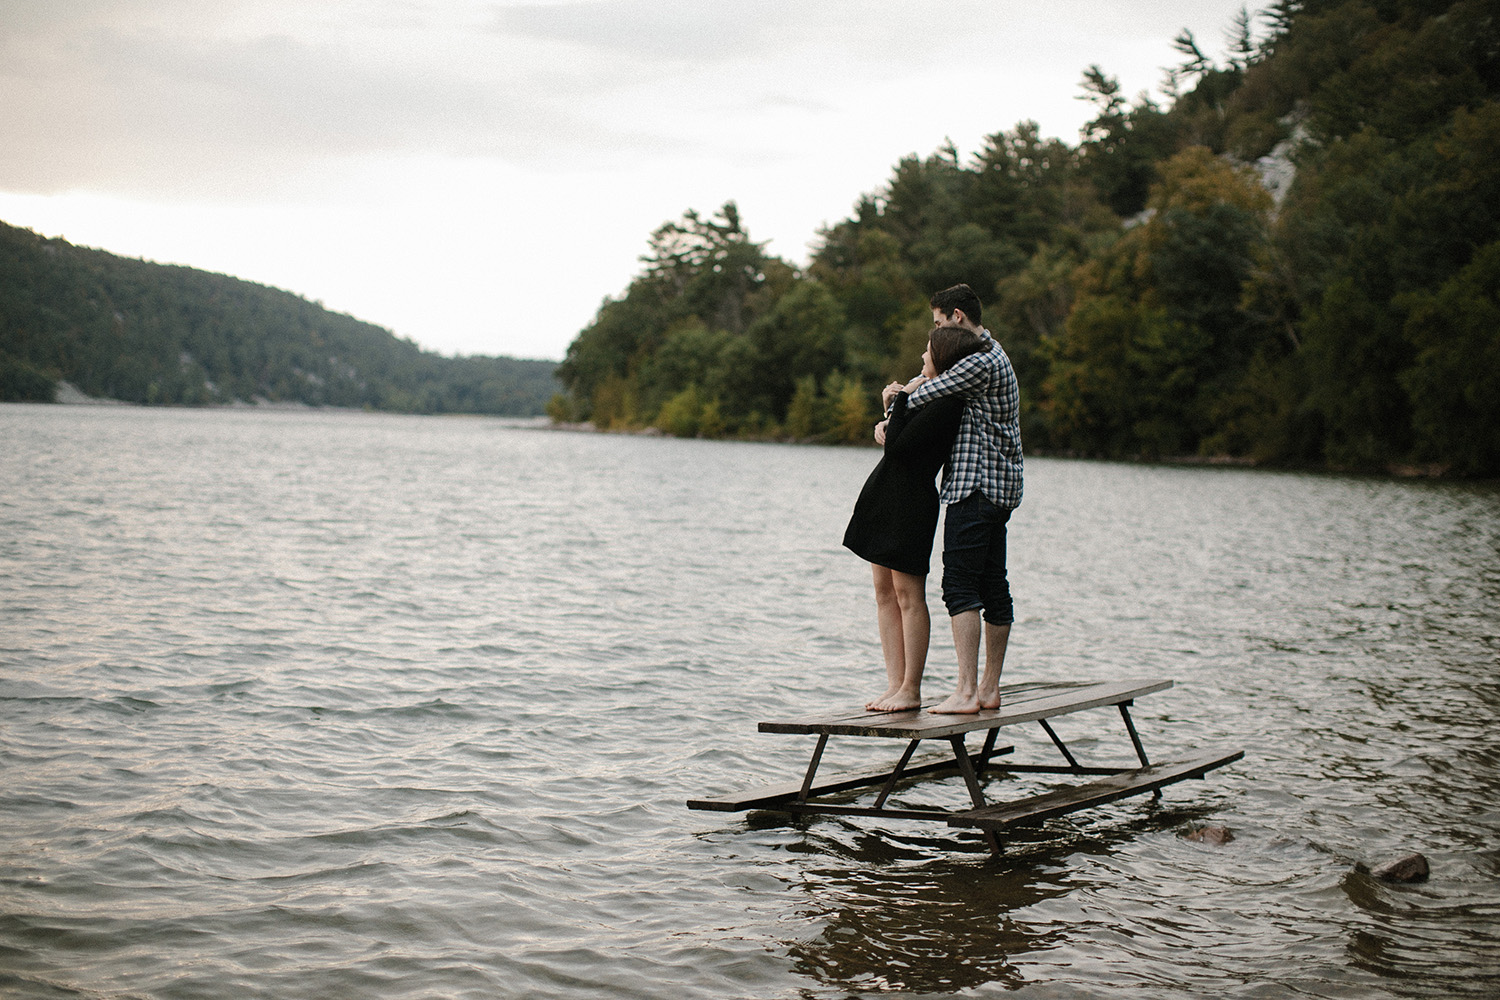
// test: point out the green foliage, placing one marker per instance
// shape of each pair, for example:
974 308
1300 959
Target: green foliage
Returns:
1122 144
805 412
697 315
560 409
1454 380
1153 299
682 415
147 333
22 382
803 335
850 416
1155 335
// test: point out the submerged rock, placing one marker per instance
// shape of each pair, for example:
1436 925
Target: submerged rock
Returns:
1209 835
1411 868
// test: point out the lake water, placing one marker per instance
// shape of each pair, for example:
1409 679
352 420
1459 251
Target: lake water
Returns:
328 705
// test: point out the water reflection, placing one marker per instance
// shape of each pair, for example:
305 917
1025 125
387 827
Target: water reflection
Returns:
1424 933
325 645
927 927
937 914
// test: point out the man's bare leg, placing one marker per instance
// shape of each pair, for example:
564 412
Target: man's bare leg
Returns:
892 641
996 638
965 697
916 631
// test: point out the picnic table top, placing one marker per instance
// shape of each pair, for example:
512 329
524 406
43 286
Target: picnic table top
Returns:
1026 702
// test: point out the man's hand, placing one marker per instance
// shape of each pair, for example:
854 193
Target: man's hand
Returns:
880 433
889 393
914 383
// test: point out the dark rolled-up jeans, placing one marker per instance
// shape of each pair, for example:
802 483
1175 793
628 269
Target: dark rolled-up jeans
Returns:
974 559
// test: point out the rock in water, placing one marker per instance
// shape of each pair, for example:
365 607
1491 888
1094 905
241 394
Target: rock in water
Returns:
1210 835
1412 868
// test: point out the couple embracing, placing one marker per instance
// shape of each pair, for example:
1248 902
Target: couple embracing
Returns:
962 414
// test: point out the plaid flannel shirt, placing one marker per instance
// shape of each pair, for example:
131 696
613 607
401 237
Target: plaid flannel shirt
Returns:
986 454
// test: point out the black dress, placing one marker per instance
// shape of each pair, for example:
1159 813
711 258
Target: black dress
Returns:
896 514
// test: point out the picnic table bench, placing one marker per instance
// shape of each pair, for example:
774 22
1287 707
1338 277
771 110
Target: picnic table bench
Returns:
1019 703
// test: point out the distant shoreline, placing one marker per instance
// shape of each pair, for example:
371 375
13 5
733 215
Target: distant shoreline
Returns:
70 395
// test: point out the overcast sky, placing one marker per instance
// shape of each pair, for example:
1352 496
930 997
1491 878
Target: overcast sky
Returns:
479 176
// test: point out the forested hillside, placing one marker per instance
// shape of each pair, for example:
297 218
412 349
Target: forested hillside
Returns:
1293 258
149 333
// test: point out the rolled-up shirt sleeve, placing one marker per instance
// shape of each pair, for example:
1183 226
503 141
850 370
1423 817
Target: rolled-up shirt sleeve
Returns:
967 378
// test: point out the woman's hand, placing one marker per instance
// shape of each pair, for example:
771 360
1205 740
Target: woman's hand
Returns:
889 393
880 433
914 383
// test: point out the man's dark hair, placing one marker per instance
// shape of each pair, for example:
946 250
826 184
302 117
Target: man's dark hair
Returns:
957 297
948 344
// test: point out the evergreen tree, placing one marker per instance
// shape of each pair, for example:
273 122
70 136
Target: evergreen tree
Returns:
1154 300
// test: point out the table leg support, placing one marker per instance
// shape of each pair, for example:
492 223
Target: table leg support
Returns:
812 768
989 749
1135 738
890 783
1067 754
971 778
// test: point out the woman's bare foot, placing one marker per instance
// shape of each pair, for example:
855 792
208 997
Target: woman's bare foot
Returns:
871 705
900 700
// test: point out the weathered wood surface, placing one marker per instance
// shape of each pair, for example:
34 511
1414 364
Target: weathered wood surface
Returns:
1095 793
1018 703
771 796
1014 693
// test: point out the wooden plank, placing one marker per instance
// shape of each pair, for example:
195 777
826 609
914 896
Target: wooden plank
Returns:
1075 797
1044 702
1011 694
1019 703
769 796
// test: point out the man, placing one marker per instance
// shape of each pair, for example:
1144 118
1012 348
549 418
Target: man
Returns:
981 486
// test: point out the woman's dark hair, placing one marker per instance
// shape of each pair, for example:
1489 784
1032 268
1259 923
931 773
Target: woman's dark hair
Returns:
948 344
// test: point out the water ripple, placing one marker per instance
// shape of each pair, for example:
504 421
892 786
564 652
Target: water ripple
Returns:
355 705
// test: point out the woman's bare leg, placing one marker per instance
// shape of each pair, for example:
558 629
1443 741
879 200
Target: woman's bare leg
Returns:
892 642
916 632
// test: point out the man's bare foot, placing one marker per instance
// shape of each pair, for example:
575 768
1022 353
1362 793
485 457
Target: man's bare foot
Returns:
957 704
989 699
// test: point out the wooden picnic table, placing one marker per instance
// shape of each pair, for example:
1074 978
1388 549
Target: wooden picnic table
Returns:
1019 704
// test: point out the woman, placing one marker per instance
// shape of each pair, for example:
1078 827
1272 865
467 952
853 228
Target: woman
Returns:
896 515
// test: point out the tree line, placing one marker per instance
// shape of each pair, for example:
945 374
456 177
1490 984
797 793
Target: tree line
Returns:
1292 258
154 334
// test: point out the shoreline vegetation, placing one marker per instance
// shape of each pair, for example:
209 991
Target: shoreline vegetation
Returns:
79 320
1290 260
1394 471
70 395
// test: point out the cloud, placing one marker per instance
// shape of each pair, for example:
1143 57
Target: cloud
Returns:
696 33
428 164
245 101
153 109
241 100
